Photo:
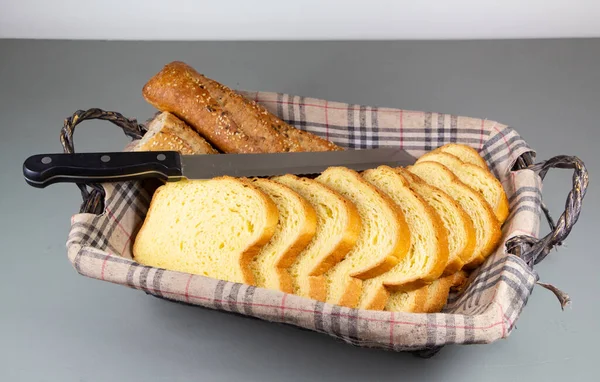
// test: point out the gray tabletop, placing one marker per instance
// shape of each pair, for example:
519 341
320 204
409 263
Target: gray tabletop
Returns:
58 326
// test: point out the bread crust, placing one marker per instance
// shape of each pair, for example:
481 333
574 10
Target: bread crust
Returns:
271 224
167 132
499 205
317 284
493 230
465 253
402 245
473 155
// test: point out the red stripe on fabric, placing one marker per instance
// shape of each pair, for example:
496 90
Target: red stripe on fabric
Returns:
326 121
282 306
392 323
112 216
187 288
401 128
343 315
333 107
502 315
256 97
104 265
505 142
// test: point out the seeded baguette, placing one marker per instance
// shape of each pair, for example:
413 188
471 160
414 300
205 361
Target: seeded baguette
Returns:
229 121
166 132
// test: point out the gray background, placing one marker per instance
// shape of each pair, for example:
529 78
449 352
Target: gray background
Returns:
57 325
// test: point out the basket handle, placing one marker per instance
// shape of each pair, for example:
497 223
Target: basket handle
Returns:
534 250
93 194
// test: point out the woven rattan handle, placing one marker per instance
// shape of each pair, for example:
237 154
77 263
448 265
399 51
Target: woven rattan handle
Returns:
534 250
93 194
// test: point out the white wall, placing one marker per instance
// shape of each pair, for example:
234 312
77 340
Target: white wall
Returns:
298 19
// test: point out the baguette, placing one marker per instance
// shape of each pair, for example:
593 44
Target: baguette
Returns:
226 119
166 132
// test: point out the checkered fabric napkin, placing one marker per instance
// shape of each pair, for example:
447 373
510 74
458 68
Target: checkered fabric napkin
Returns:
100 247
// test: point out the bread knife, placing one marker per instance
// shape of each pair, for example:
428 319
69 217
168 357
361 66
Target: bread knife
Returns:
45 169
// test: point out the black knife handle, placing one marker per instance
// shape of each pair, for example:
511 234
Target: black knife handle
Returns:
45 169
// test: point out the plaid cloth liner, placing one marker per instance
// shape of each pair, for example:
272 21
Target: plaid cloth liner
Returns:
100 246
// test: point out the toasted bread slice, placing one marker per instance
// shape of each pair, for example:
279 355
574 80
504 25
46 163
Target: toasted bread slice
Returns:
207 227
383 241
166 132
487 227
458 225
428 253
475 177
465 153
338 228
296 227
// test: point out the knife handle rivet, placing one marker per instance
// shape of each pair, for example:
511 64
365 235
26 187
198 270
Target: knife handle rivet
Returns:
105 158
46 160
161 157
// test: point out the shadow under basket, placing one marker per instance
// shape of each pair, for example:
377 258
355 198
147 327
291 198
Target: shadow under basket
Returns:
102 233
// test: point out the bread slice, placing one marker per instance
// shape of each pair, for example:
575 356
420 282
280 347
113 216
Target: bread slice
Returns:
428 253
338 227
438 291
412 301
458 225
384 238
465 153
475 177
208 227
295 229
487 227
166 132
427 299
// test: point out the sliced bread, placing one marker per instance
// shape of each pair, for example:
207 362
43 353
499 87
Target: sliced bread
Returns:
475 177
428 253
430 298
458 225
166 132
438 291
412 301
465 153
487 227
383 241
338 227
295 229
208 227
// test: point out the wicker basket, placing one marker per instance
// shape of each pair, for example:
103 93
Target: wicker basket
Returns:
99 244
